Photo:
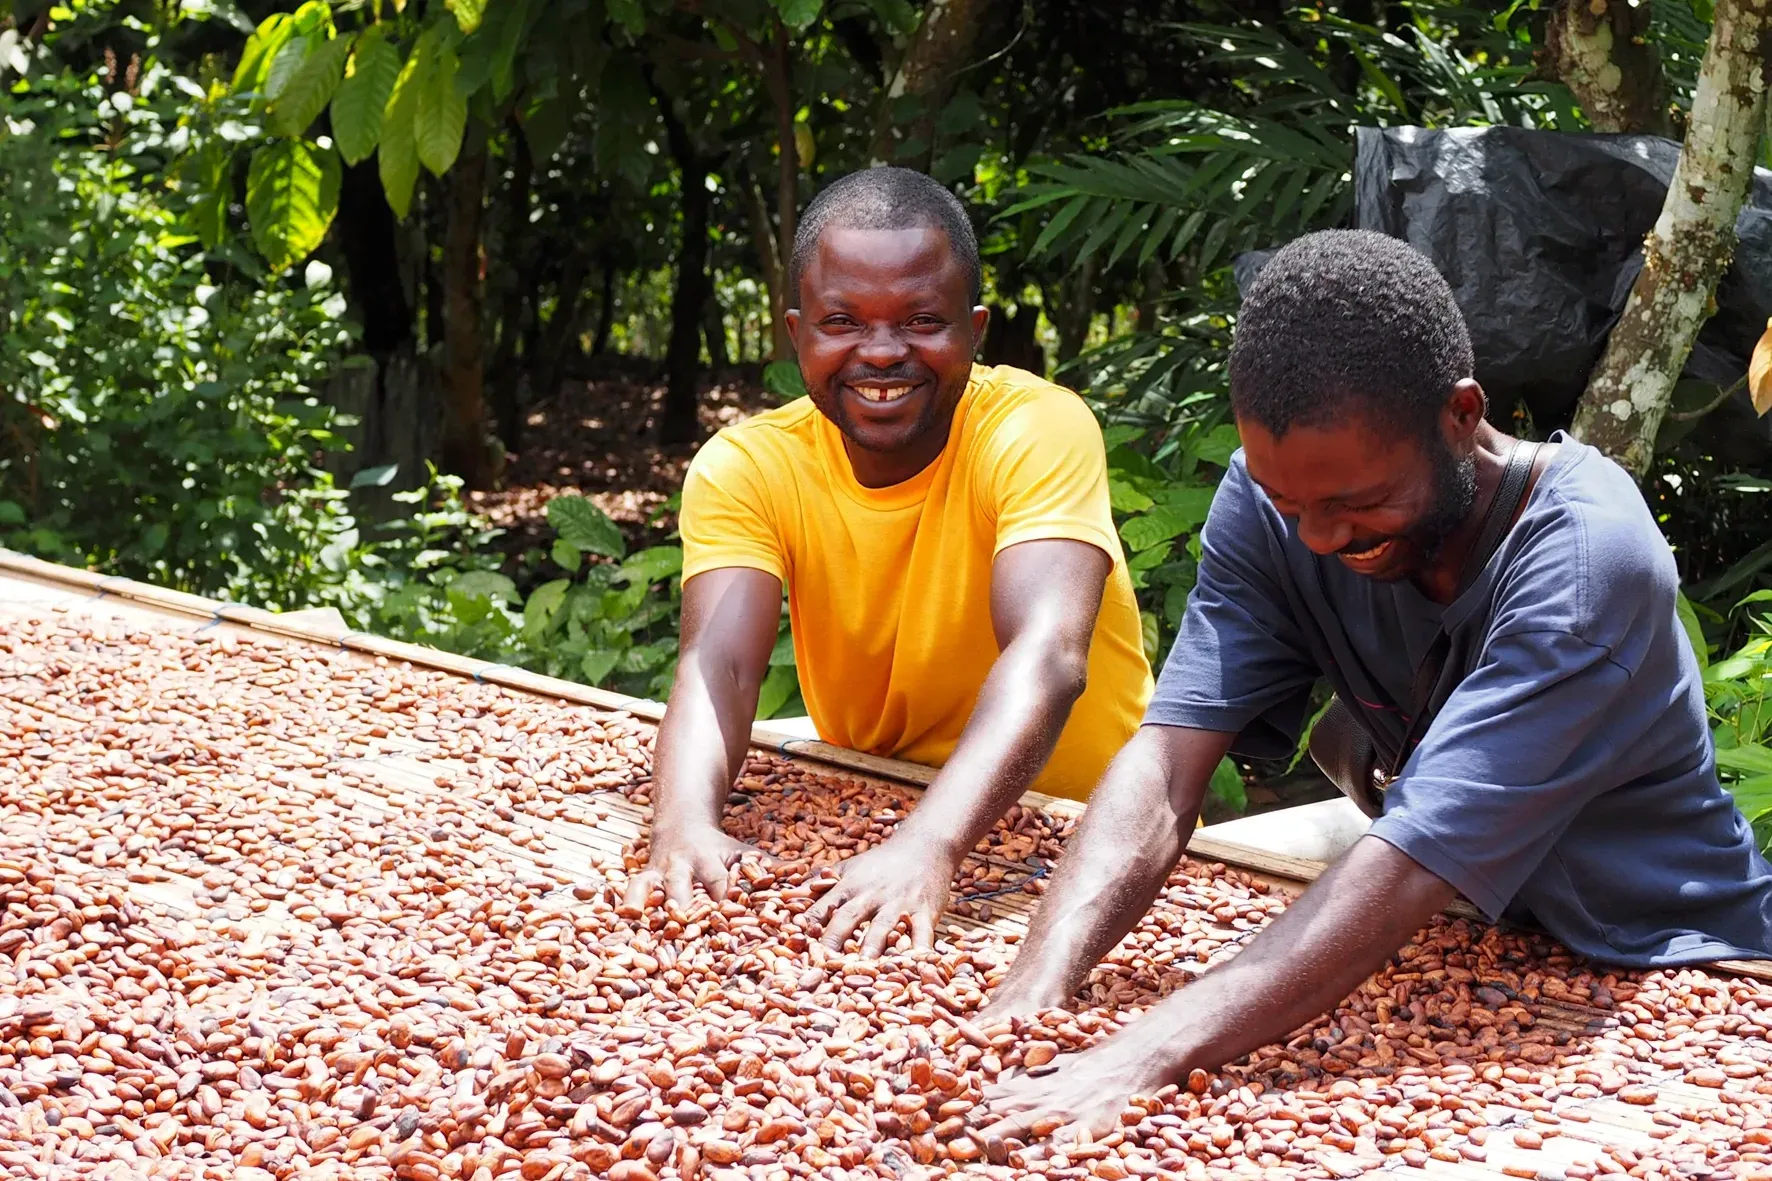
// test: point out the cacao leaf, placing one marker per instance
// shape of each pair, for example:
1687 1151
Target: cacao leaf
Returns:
301 99
397 156
291 197
361 99
442 113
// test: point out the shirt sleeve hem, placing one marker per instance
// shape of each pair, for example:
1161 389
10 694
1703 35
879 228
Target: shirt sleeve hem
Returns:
1396 832
1222 719
1089 534
728 560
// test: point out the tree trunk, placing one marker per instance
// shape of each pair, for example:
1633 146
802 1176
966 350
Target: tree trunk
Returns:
507 370
366 234
679 423
714 329
1600 50
605 309
904 126
1688 250
775 244
464 450
562 328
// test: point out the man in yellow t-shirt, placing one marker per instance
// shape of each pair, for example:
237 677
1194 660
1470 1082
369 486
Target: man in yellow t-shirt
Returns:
958 594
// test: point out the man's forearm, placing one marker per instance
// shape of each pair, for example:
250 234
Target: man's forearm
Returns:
1021 710
1339 932
698 753
1134 831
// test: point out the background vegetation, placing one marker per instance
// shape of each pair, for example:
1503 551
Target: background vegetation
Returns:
284 288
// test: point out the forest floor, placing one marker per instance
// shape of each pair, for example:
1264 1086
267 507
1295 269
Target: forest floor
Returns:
597 438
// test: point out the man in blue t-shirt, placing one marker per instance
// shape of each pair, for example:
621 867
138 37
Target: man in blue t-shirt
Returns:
1566 778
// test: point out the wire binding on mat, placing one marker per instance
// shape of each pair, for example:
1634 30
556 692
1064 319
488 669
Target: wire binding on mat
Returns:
103 590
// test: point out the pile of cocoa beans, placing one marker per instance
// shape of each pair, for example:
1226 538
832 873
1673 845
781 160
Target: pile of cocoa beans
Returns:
222 955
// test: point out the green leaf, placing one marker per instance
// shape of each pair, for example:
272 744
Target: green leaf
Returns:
544 603
291 197
778 686
1694 630
567 556
586 526
1125 498
1163 522
514 15
375 477
285 66
467 13
209 211
485 584
1227 785
11 513
362 97
798 15
1749 757
629 15
1219 444
652 565
597 664
261 48
442 113
397 155
1753 796
783 379
1150 633
782 655
300 100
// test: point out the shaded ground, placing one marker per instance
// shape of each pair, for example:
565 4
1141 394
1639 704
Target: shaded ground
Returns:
598 438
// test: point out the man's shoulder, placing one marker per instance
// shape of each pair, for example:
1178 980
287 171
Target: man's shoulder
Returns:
1009 403
1591 546
775 436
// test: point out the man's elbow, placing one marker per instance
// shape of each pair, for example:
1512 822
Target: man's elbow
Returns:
1066 674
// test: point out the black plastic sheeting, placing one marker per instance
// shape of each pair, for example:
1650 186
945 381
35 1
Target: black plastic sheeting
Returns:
1540 234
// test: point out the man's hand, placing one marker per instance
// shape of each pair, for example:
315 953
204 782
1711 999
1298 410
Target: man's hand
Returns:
889 882
1077 1092
681 861
729 622
1340 931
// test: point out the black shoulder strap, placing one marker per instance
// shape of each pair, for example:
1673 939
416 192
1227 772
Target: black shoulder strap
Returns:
1496 523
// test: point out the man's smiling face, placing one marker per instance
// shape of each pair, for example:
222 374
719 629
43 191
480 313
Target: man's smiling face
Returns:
1382 503
885 333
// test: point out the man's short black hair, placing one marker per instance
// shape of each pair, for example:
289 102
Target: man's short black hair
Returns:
1346 321
886 198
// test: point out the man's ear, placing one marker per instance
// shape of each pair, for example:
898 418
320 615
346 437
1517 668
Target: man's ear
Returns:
791 317
981 318
1463 411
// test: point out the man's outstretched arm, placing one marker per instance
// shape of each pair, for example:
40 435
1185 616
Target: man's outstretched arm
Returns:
729 625
1340 931
1131 836
1045 596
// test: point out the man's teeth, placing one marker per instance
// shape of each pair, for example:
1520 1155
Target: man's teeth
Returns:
1367 555
891 393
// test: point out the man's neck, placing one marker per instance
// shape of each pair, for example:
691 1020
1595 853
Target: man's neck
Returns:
1440 580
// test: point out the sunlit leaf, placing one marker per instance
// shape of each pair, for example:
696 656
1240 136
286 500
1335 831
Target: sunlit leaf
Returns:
397 154
485 584
798 14
778 687
291 197
586 526
442 113
467 13
300 100
1759 372
361 99
1227 785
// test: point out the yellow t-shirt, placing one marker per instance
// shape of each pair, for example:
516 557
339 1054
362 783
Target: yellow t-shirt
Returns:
889 588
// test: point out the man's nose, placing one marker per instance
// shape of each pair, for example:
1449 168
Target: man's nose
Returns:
1322 535
883 345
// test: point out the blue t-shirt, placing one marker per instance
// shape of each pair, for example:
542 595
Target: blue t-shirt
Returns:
1569 776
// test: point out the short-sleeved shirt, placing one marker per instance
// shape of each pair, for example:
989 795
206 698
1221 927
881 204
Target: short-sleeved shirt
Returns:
889 588
1568 778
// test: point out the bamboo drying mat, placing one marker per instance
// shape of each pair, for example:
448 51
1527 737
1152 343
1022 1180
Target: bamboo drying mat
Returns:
582 847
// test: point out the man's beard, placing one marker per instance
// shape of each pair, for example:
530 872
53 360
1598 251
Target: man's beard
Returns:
1455 492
